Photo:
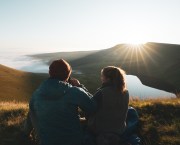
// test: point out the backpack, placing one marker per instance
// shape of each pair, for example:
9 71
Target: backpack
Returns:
130 136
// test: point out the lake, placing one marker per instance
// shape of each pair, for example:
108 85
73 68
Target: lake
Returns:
29 64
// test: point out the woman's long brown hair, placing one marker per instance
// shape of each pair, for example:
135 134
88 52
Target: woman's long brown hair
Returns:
115 75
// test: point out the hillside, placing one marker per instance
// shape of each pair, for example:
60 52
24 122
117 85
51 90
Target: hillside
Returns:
159 122
156 64
17 85
70 56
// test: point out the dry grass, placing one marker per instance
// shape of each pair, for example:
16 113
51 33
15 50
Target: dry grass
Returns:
12 115
148 102
9 106
159 121
18 85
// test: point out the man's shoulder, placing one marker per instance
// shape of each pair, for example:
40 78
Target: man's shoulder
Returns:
76 89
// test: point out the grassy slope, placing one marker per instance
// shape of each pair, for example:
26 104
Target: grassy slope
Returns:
159 121
17 85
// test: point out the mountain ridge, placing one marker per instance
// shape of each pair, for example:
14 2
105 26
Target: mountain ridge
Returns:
150 61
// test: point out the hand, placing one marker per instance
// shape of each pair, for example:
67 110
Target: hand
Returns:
74 82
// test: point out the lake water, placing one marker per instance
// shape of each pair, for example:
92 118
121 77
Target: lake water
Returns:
134 85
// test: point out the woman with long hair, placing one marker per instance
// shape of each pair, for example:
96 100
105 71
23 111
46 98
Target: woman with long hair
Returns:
112 98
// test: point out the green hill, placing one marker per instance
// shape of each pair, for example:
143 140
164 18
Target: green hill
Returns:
17 85
156 64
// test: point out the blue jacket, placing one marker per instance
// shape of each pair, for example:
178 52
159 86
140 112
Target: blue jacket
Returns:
54 106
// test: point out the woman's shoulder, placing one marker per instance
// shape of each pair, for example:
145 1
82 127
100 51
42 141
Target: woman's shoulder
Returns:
105 88
126 92
126 95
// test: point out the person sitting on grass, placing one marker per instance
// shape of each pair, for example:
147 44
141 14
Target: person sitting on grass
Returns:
54 107
108 123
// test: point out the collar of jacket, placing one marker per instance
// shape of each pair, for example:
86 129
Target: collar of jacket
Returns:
56 78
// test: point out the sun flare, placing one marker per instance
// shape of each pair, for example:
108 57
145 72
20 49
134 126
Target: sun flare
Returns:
135 45
135 41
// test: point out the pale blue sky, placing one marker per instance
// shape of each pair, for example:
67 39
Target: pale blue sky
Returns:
65 25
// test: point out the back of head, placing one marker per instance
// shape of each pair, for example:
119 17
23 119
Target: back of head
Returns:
60 69
115 75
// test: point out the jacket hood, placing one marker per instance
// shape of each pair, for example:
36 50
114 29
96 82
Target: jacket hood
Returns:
53 89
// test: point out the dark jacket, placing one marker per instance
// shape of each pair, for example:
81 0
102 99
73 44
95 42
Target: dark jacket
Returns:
112 110
55 107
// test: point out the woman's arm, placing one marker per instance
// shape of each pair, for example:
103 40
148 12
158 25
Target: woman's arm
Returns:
97 97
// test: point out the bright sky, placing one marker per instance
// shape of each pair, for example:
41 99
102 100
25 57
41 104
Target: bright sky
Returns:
66 25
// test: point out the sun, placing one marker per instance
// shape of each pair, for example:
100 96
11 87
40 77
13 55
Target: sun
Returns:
135 43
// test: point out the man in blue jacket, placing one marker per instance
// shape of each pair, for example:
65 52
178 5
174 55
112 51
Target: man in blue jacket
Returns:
54 107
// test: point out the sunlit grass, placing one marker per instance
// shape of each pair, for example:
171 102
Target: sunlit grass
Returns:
159 121
145 102
4 106
12 116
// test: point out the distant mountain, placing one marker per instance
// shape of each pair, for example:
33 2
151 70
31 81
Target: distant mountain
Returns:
70 56
18 85
156 64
